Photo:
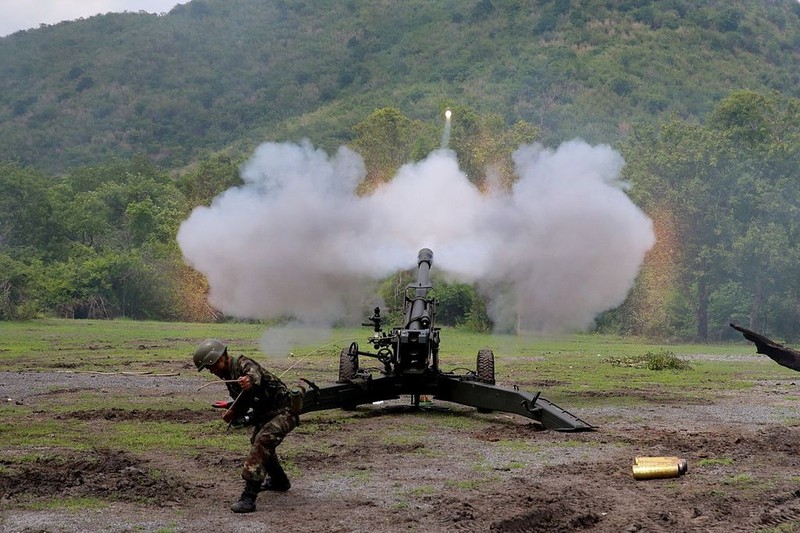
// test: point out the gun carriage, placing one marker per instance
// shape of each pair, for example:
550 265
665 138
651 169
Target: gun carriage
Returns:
410 358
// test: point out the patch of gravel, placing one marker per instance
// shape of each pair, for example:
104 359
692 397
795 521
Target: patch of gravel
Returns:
19 386
719 357
121 517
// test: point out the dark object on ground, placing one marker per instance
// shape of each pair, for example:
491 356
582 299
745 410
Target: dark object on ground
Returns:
779 353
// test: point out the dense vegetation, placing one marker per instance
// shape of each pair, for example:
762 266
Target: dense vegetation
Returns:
222 74
87 227
725 198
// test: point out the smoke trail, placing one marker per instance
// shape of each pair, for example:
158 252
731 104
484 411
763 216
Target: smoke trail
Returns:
447 128
295 240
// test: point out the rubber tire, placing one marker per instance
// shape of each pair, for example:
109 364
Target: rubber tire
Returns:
486 366
348 365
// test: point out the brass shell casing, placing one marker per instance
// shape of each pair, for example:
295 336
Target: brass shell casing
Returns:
657 459
659 467
683 466
655 471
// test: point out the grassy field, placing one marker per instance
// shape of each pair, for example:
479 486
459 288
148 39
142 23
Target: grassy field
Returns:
574 366
130 392
576 370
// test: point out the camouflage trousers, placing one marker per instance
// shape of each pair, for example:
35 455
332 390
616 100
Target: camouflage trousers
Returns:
263 459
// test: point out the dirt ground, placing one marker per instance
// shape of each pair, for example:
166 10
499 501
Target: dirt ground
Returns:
449 468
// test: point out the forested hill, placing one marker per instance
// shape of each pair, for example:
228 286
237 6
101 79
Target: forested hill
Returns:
213 74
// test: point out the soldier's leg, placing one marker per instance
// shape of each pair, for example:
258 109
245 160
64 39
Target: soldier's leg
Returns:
262 460
253 474
276 480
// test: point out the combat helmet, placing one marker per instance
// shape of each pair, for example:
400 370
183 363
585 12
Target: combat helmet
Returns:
208 353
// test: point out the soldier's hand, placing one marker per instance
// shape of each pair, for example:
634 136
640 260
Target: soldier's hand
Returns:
245 382
227 416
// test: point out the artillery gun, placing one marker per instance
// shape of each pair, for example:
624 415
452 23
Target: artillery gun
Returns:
410 358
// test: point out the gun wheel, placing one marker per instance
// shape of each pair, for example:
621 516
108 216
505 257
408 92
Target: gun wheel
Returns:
485 370
486 366
348 364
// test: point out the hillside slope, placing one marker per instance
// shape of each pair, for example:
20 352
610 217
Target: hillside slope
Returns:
216 73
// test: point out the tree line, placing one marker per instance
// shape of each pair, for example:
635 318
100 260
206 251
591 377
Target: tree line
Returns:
99 241
725 200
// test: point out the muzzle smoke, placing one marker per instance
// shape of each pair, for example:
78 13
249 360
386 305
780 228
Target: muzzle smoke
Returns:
296 241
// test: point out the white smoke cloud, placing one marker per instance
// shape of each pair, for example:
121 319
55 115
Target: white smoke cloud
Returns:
573 241
295 240
279 341
286 243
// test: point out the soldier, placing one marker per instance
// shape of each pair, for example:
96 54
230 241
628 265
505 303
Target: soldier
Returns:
262 400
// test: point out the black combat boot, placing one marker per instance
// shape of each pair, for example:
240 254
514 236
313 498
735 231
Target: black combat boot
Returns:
276 479
247 501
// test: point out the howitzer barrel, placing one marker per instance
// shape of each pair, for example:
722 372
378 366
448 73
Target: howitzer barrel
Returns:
418 316
424 263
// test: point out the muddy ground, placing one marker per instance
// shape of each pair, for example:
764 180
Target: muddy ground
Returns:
448 468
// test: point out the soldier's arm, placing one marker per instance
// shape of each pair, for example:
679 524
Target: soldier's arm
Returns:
252 372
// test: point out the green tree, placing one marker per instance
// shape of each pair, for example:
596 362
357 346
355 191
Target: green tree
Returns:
386 140
120 204
211 176
745 117
679 172
20 284
85 215
724 198
109 284
454 302
484 144
766 247
27 219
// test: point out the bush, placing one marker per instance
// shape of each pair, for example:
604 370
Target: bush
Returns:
454 302
663 360
19 284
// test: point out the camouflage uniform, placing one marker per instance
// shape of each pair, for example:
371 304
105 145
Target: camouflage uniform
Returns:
272 415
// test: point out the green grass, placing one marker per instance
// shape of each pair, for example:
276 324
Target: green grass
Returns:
166 529
466 484
117 345
24 433
175 437
111 344
419 492
786 527
573 371
360 476
69 504
130 436
714 462
740 480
